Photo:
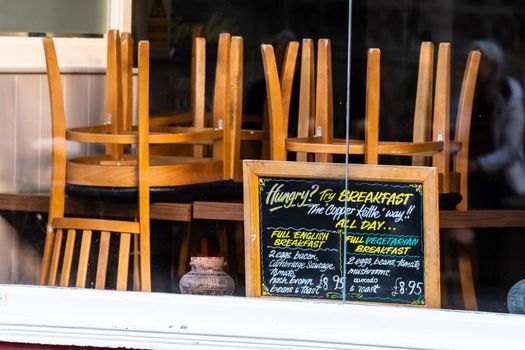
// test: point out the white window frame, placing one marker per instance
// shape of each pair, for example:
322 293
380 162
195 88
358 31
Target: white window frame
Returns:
31 314
81 317
25 54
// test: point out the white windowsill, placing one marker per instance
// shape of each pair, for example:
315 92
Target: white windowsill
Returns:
171 321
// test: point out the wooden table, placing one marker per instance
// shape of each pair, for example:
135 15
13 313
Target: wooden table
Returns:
28 202
233 211
447 218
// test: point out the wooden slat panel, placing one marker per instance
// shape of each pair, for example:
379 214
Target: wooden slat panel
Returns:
7 240
123 261
96 113
68 258
55 258
102 263
76 106
27 133
45 154
96 225
7 131
83 260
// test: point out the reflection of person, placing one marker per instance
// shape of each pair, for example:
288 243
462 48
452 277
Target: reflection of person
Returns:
497 163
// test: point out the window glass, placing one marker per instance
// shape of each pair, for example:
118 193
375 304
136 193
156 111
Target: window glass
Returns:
61 17
482 252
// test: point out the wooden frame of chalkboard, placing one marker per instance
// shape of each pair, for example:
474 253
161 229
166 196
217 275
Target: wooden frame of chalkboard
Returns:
295 244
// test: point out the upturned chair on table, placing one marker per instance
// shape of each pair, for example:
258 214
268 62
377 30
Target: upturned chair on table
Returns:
198 116
431 131
118 173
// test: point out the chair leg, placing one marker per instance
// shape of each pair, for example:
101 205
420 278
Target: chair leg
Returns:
145 263
222 231
203 249
136 263
467 281
43 279
184 252
239 246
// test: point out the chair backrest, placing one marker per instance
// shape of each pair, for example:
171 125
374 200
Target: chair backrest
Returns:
431 114
227 98
324 101
114 91
441 117
315 96
422 126
278 106
457 179
58 261
306 118
74 264
463 120
126 41
450 180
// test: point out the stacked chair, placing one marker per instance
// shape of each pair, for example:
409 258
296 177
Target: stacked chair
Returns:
127 170
431 144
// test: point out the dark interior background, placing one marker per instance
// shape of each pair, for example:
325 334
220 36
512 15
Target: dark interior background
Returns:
397 27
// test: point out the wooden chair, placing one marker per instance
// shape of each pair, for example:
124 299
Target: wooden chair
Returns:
198 116
315 129
56 257
164 172
453 182
431 136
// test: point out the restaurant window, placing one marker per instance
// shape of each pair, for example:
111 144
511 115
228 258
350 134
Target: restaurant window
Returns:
491 255
61 17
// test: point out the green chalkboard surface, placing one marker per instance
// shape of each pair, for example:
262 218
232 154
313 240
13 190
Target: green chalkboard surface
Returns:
305 252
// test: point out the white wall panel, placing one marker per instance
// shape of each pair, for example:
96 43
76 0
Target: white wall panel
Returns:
25 149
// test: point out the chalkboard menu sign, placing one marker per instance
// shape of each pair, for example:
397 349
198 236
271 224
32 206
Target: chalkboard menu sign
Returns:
301 244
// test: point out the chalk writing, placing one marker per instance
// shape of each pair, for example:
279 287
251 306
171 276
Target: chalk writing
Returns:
302 224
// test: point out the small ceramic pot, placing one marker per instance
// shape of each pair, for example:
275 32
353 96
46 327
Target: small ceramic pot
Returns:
207 277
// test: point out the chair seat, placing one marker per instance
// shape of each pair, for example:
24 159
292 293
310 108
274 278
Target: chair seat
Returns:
164 171
225 190
315 144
